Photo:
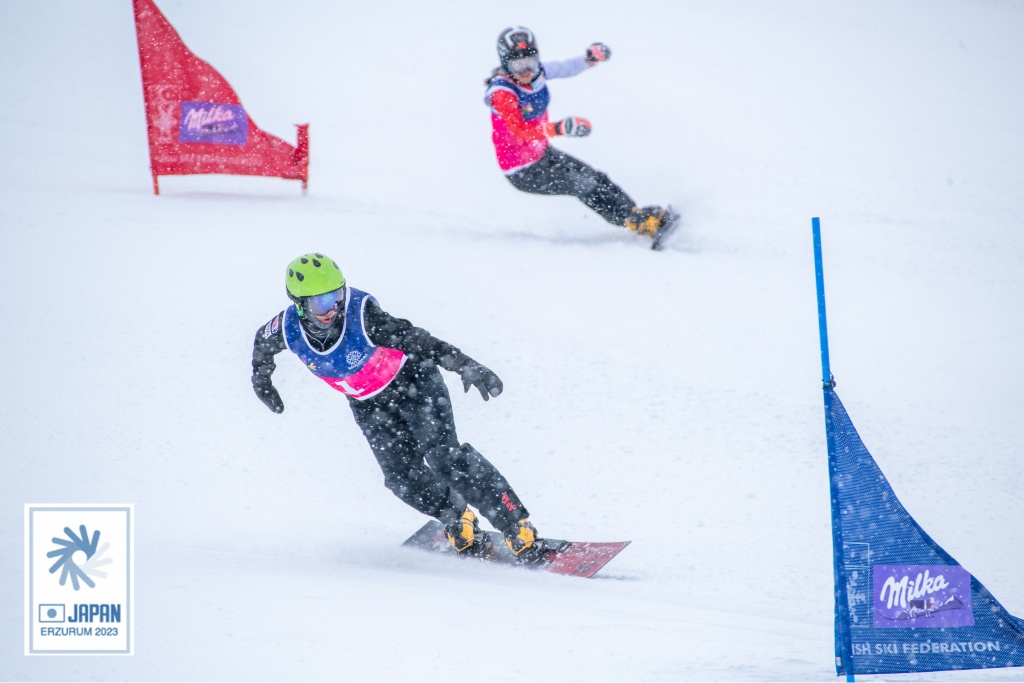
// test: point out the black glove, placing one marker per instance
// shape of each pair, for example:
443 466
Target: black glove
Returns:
598 52
271 398
474 374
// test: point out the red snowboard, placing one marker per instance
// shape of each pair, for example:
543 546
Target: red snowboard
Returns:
558 557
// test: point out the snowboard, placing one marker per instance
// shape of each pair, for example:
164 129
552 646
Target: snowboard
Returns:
670 225
568 558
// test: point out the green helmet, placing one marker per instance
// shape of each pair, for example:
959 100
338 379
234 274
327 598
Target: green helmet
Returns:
310 275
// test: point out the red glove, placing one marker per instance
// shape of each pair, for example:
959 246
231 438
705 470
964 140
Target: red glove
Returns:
598 52
573 126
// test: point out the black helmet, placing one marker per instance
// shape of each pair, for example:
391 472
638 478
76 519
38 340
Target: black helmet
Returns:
515 42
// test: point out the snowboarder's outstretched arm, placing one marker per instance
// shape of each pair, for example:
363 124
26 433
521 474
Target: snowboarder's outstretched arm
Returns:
268 343
419 345
567 68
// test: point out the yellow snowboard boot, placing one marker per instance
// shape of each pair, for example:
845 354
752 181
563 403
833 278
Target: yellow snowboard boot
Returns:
464 533
647 220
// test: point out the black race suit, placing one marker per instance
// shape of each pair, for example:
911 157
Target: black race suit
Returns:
557 173
409 425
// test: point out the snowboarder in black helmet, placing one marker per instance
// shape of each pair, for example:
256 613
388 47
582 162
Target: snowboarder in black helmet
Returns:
517 94
388 369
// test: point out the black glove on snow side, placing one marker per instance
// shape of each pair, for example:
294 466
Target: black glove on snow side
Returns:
476 375
271 398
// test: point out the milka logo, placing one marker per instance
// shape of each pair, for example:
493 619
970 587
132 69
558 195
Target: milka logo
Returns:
899 592
921 596
210 120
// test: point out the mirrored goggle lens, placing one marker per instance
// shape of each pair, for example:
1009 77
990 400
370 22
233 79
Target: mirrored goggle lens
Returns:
524 64
322 304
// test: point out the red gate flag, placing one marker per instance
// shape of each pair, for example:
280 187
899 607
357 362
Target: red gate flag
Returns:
195 121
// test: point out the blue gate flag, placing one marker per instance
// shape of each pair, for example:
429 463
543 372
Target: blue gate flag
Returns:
903 604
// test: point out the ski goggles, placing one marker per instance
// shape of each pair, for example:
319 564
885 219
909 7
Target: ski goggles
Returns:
322 304
524 64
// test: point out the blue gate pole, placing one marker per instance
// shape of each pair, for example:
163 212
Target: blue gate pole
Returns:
827 382
819 277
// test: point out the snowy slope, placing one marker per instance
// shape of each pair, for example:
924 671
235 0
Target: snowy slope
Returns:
671 399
